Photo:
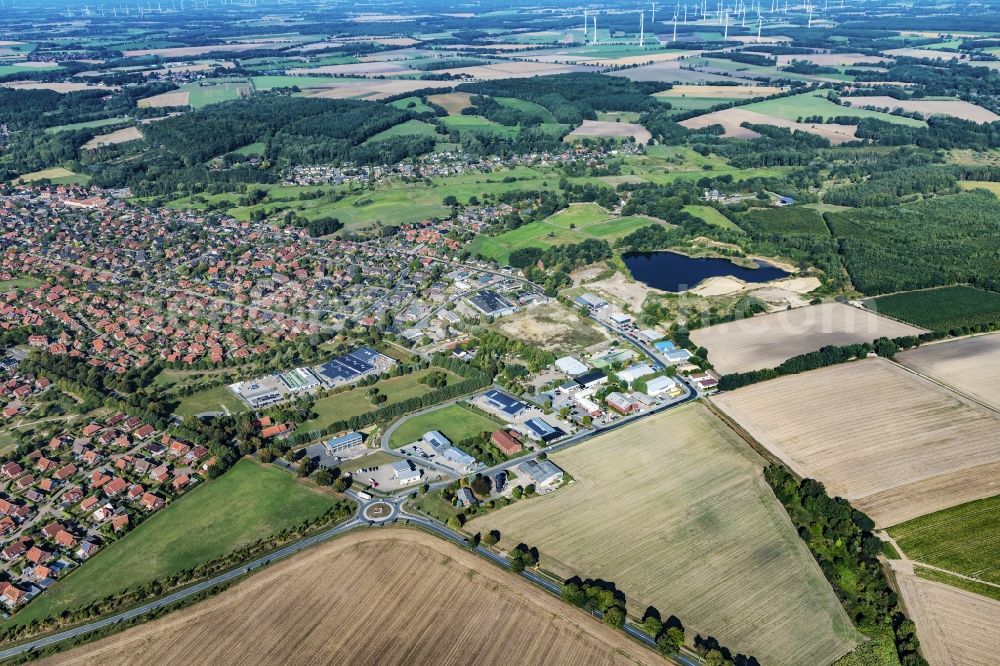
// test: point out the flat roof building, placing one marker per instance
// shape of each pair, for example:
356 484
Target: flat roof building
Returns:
342 443
506 404
403 474
634 372
570 366
540 429
491 303
542 473
660 385
436 439
592 378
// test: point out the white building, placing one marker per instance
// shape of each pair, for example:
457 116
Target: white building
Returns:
404 475
570 366
619 318
634 372
659 385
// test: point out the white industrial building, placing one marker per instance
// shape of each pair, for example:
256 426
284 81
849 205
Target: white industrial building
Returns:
659 385
634 372
570 366
403 474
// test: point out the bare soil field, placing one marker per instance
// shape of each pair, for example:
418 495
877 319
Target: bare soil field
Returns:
452 102
119 136
618 287
57 86
765 341
956 108
723 285
955 627
553 327
674 510
668 71
617 130
970 365
732 119
727 92
374 597
895 445
173 98
930 54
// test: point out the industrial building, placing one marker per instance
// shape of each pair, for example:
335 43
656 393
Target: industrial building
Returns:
507 405
353 366
491 303
590 301
543 474
342 443
541 430
403 474
507 442
659 385
570 366
436 439
634 372
591 379
621 403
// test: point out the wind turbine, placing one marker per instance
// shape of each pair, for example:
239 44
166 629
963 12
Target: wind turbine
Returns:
725 34
642 28
759 23
675 26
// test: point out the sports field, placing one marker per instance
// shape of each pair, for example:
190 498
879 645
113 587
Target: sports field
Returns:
397 596
246 503
895 445
673 509
456 422
765 341
341 406
969 365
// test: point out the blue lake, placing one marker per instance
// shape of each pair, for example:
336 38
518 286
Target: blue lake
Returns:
674 272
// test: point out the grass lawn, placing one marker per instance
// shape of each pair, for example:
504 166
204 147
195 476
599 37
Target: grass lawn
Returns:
248 502
218 399
56 175
6 70
408 128
962 539
251 149
456 422
435 506
222 91
20 283
356 401
418 105
527 107
711 216
578 215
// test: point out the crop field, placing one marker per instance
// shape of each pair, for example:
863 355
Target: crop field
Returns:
674 510
954 626
172 98
941 309
344 405
765 341
246 503
119 136
221 91
592 128
55 86
408 128
970 365
554 327
86 125
895 445
481 614
964 539
456 422
719 92
956 108
815 104
453 103
788 220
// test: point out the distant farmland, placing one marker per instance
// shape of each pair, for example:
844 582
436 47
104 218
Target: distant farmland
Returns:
674 511
374 597
970 365
895 445
766 341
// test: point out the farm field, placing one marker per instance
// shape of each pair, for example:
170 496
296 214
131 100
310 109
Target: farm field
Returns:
675 512
941 309
954 626
341 406
970 365
593 128
718 92
765 341
456 422
246 503
895 445
220 91
732 120
113 138
408 128
956 108
788 220
172 98
816 104
711 216
56 175
86 125
553 327
282 614
964 539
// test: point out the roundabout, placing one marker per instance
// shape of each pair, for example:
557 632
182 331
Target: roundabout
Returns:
379 512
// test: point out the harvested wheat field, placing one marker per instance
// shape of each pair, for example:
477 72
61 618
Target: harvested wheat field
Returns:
609 129
391 596
970 365
832 59
928 107
57 86
955 627
767 340
674 510
732 120
119 136
374 88
513 69
355 69
453 103
193 51
173 98
895 445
